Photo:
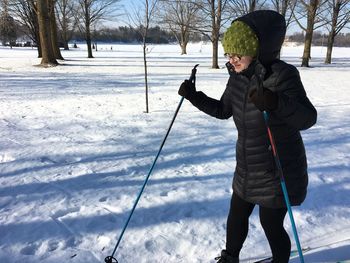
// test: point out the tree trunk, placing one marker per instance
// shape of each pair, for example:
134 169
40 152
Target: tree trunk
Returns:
330 43
252 6
40 53
88 31
333 33
307 47
183 48
216 24
53 26
48 58
35 30
215 63
184 41
88 42
144 38
65 45
65 39
146 76
65 32
284 7
311 15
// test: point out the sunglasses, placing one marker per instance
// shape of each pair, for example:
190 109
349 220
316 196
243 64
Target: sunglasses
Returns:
234 57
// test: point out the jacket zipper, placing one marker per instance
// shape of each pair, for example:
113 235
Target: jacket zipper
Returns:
244 141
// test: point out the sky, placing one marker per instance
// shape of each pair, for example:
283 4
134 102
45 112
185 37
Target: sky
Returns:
130 5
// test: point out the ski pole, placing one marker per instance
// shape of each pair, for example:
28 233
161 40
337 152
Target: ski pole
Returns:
111 259
283 185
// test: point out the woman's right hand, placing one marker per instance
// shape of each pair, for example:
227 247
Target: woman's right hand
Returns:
187 89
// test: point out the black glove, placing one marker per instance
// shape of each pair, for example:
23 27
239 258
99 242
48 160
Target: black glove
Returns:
187 89
259 71
268 100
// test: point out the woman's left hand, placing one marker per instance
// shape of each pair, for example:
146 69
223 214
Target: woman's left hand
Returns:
267 101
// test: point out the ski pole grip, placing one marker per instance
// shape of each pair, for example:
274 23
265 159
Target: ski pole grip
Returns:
260 76
193 74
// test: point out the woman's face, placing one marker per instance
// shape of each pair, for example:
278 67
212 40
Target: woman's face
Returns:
239 63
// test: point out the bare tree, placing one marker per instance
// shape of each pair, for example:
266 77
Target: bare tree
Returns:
338 16
48 55
180 17
242 7
141 18
25 12
89 13
310 10
285 8
215 14
53 30
67 22
7 25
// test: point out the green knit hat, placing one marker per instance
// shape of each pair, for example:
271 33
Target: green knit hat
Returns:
240 39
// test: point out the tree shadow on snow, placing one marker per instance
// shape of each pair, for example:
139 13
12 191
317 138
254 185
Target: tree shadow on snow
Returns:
67 224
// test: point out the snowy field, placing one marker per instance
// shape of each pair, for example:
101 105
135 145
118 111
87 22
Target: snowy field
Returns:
76 146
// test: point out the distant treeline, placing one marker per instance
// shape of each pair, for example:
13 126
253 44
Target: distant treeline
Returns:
156 35
319 39
125 34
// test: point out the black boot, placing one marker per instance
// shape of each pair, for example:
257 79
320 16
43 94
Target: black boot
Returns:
226 258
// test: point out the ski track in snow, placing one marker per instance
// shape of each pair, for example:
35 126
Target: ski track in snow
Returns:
76 147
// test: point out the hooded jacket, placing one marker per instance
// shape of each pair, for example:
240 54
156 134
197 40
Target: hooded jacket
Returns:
256 178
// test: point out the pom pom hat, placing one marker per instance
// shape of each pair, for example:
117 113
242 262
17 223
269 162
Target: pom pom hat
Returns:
240 39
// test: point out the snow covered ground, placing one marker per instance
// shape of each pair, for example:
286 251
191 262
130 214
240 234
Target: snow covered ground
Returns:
76 146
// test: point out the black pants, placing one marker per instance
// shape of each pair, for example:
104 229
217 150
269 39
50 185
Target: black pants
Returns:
271 221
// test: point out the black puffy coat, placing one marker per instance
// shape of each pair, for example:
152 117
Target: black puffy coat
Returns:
256 179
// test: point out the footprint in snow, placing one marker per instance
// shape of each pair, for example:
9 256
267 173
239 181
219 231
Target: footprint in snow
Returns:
103 199
63 212
45 159
151 245
30 249
53 245
72 242
188 214
165 193
4 201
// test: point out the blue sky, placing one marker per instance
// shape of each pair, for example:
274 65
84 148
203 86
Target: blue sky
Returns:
130 5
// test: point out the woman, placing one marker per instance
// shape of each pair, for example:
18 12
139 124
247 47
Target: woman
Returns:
258 82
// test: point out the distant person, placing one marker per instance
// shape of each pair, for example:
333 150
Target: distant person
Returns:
252 45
